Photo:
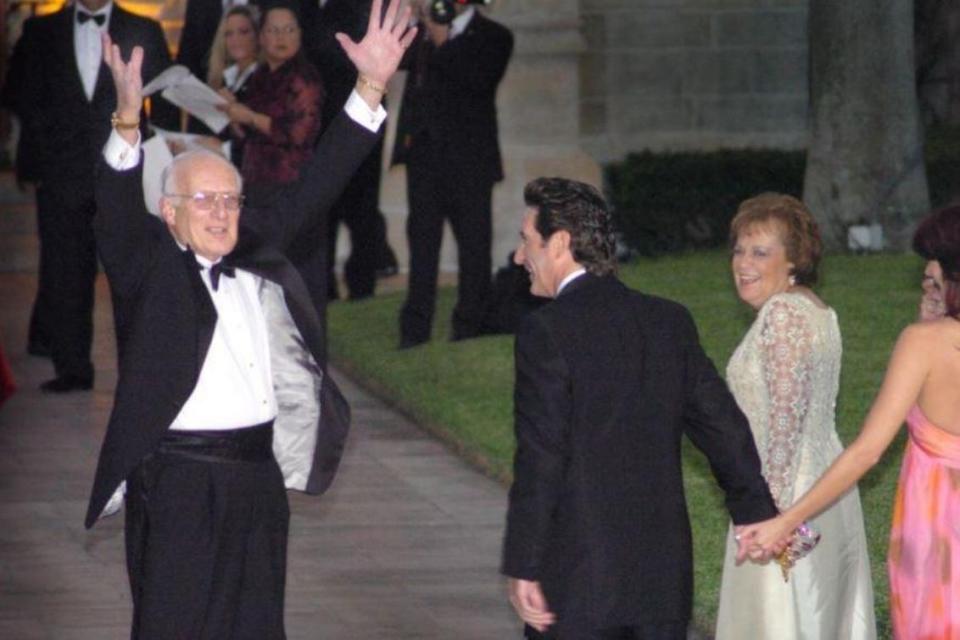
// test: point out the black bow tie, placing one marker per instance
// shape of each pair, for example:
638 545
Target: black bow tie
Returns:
83 16
218 270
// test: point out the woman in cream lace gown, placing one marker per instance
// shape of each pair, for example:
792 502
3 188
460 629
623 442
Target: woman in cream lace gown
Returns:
784 375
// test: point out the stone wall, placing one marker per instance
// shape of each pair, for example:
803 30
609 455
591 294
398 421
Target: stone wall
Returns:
692 74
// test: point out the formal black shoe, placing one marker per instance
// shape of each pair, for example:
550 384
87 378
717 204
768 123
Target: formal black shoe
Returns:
38 349
65 384
409 343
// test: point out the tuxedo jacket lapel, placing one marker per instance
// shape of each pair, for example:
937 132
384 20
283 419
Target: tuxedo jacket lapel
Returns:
206 312
62 45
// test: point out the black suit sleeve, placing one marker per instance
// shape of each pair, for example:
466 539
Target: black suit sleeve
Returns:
338 154
121 226
542 415
717 427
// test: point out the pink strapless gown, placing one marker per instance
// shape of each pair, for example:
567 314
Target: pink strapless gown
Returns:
924 557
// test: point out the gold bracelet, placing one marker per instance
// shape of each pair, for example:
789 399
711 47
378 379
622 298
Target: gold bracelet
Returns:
370 84
117 123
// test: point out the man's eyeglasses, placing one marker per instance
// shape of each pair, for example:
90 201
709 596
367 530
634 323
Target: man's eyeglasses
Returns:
207 200
285 30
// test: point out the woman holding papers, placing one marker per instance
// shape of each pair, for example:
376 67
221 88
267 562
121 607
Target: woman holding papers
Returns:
233 59
281 112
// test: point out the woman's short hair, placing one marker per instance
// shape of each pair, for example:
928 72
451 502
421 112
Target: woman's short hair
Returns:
792 222
938 238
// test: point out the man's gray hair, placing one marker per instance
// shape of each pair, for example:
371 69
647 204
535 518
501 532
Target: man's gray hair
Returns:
171 173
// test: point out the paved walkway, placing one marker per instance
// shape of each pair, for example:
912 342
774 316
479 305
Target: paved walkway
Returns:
405 545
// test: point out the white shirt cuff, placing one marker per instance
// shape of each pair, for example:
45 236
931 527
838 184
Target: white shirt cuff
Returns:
361 113
119 154
115 501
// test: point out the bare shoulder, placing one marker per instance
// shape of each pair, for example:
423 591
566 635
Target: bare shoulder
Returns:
931 334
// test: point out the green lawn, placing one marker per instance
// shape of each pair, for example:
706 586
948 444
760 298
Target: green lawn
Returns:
463 391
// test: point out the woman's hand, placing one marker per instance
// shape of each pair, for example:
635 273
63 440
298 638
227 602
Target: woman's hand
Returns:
762 540
378 54
238 112
227 95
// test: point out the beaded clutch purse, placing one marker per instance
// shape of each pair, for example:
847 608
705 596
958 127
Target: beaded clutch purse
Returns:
805 538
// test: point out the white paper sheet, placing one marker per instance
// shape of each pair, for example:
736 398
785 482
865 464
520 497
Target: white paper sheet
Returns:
182 88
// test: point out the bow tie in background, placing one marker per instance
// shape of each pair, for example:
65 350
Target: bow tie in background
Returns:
99 18
83 17
218 270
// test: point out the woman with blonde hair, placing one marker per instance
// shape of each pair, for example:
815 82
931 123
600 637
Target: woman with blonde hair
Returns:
233 59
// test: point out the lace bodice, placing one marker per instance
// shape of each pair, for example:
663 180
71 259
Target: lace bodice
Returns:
785 376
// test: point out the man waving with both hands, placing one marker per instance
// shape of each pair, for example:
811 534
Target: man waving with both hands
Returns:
223 400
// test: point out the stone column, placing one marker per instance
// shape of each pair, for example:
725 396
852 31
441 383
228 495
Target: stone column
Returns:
539 116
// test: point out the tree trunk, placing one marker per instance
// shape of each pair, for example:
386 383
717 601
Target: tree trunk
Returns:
865 162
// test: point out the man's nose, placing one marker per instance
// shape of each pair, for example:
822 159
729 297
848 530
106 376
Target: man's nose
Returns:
518 256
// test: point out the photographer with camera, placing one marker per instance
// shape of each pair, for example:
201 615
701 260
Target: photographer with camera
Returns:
447 137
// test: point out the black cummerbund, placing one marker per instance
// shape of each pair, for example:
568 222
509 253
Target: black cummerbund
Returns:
249 444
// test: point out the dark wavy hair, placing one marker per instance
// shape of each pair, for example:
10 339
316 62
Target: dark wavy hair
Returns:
938 238
580 210
795 225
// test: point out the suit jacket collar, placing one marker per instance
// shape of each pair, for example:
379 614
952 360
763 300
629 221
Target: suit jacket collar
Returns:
577 284
62 44
116 29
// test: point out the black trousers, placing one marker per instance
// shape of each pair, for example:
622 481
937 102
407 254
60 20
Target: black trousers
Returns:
359 211
466 202
62 315
206 538
661 631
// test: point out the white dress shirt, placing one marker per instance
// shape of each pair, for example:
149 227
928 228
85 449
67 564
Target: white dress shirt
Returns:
235 387
87 46
573 275
460 23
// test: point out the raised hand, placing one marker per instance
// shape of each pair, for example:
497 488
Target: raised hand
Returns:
378 54
127 78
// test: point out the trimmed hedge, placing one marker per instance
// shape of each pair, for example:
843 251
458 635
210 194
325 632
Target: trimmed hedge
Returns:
670 202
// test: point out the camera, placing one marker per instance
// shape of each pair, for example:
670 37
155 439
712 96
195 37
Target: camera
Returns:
443 11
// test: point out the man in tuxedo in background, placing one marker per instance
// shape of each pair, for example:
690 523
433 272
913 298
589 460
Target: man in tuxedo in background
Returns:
608 380
447 137
63 95
358 206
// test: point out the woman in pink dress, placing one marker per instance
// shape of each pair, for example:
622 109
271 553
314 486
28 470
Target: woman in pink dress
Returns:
922 386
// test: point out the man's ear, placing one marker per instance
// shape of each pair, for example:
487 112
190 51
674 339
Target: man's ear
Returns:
168 212
559 243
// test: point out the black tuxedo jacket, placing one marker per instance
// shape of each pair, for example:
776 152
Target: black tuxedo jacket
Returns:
448 116
63 132
607 382
165 318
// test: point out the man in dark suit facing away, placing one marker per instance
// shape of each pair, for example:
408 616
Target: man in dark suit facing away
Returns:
607 381
63 95
223 399
447 137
